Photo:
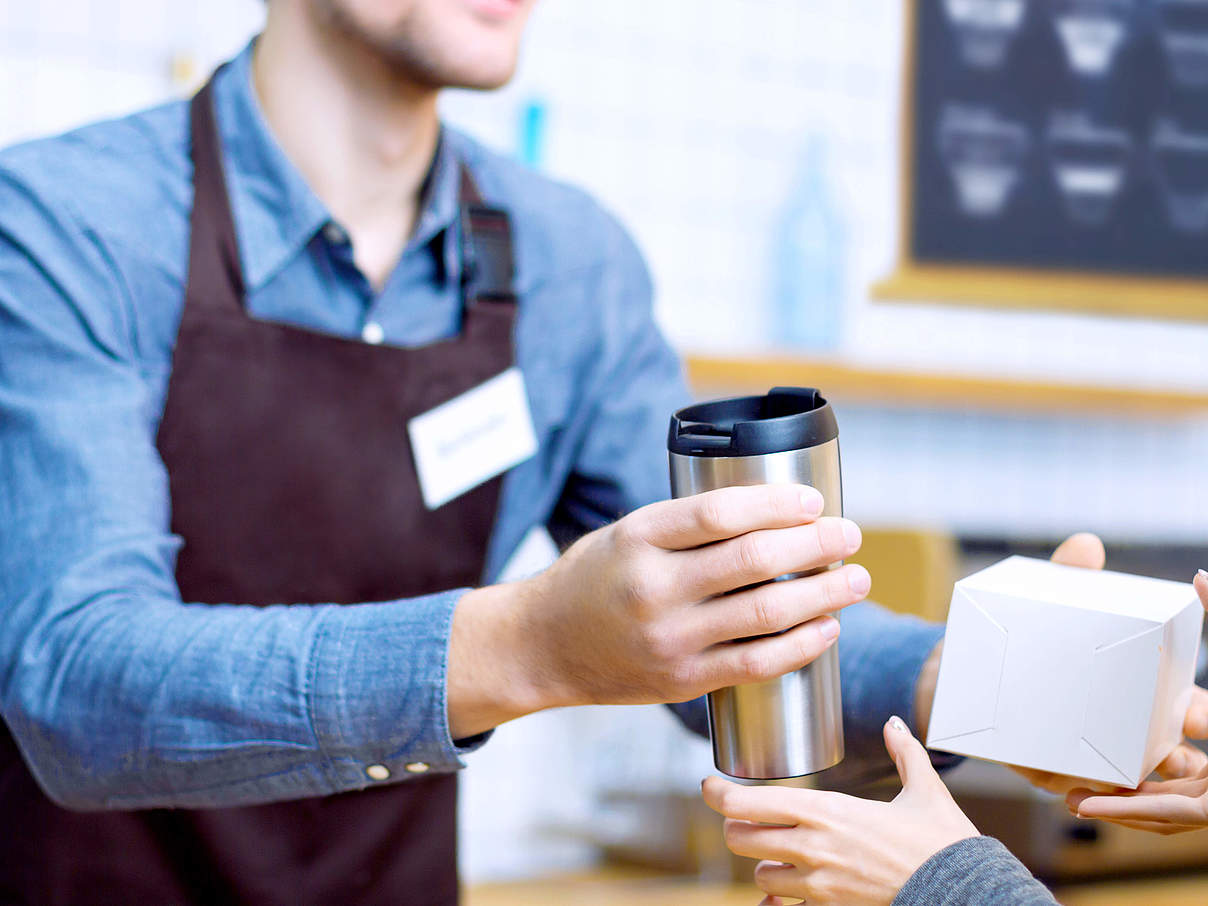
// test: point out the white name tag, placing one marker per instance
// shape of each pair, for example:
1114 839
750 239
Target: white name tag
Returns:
472 438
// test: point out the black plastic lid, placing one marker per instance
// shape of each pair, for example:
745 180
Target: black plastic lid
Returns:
787 418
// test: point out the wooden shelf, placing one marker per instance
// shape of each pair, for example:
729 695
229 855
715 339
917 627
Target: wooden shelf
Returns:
1104 294
850 382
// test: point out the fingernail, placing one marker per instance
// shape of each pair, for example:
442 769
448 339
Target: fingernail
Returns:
811 501
896 723
859 581
828 628
851 534
1203 574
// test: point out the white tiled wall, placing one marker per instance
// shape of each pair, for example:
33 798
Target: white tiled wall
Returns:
690 118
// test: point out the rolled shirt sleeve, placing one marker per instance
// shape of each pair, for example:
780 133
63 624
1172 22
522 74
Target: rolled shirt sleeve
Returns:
119 694
881 654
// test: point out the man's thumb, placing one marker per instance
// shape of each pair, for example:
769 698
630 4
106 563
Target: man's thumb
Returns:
914 764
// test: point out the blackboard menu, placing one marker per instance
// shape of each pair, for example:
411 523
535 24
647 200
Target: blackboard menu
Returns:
1060 134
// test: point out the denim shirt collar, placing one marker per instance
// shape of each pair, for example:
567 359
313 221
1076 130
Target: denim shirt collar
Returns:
276 212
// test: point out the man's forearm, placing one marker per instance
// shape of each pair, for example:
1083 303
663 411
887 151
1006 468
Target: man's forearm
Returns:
884 660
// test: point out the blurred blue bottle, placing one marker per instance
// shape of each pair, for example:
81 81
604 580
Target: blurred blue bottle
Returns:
530 138
808 261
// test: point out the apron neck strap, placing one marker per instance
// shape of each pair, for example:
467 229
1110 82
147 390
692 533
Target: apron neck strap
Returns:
215 274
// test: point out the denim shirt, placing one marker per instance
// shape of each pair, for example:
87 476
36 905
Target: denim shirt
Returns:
121 695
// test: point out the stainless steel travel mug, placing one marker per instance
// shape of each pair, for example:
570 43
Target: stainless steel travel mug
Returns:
793 725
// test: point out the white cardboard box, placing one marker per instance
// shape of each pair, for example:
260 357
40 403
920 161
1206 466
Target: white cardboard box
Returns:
1076 671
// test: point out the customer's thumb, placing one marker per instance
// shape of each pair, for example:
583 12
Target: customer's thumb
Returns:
912 760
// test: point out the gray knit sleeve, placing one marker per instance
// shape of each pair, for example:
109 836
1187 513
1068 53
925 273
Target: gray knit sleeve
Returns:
973 872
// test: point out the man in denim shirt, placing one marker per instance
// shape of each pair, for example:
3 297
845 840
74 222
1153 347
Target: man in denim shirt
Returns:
344 197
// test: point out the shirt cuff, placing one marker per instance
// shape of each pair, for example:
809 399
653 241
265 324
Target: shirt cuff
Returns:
881 655
979 870
378 691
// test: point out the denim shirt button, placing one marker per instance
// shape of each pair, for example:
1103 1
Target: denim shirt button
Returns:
379 772
372 333
416 767
335 233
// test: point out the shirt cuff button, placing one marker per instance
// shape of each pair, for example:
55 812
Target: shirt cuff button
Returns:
416 767
379 772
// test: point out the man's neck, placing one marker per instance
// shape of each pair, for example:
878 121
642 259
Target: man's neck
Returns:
362 136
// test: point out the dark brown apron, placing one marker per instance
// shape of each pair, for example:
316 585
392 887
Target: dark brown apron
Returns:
292 482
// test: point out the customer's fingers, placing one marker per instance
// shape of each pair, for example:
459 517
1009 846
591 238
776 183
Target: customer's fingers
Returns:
1062 784
778 878
765 804
1164 807
1183 762
1194 786
759 841
1153 827
914 766
1201 586
1082 549
1195 724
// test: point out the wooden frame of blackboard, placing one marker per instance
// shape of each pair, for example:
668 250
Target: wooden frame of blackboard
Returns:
1011 287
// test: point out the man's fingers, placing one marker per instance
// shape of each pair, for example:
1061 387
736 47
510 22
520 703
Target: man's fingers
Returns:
764 804
777 606
724 513
1201 586
1167 807
755 660
761 555
1082 549
1195 724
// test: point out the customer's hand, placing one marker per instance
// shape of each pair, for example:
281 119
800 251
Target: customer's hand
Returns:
1180 801
832 849
642 611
